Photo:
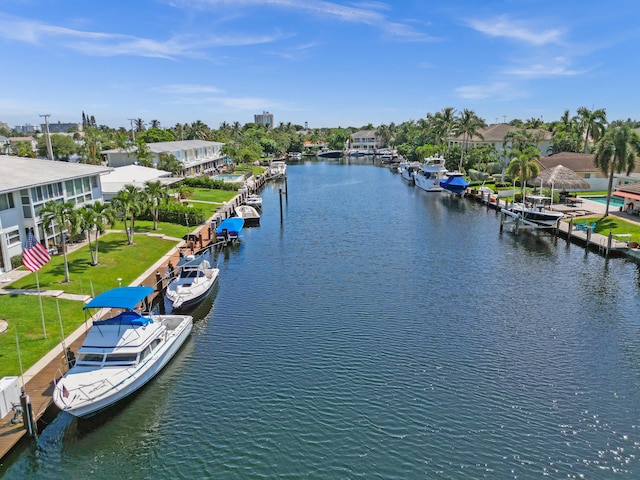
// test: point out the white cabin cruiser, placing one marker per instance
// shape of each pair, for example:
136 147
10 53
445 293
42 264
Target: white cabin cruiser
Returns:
120 354
430 173
195 280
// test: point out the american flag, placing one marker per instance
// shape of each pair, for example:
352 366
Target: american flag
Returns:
34 255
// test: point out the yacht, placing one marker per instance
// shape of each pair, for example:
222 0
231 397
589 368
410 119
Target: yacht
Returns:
431 172
196 278
277 169
120 354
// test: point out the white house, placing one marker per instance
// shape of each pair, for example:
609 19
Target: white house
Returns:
26 184
364 141
198 157
136 175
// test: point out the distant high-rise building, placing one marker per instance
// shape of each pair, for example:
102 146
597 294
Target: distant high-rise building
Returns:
265 118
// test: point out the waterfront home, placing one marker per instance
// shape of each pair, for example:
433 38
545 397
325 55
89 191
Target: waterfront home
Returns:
26 184
198 157
364 141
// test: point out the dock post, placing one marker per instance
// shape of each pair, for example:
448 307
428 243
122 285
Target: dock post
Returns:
27 415
502 215
609 239
281 217
588 237
286 189
570 229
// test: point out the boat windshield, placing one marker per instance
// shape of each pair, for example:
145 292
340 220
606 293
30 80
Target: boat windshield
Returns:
121 359
90 358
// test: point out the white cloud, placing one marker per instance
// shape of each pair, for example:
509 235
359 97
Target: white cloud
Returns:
187 89
498 90
504 26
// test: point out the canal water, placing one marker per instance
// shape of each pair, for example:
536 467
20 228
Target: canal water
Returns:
384 332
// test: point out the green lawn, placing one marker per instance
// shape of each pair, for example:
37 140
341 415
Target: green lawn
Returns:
614 224
207 195
22 312
164 228
117 260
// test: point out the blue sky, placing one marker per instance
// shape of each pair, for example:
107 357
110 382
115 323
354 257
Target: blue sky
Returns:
328 63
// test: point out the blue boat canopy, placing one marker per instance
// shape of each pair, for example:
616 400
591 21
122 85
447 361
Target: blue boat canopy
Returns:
123 297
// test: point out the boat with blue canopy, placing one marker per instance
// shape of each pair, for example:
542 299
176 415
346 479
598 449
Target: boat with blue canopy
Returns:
120 354
229 230
455 183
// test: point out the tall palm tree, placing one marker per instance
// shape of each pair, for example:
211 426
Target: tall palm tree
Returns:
139 124
65 218
157 194
93 219
522 165
130 202
444 122
468 125
593 124
616 152
154 124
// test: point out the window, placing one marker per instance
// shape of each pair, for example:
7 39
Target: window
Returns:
121 359
13 238
6 201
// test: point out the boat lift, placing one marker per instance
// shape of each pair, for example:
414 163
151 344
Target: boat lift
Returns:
518 223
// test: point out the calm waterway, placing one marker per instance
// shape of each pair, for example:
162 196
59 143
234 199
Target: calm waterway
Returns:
383 332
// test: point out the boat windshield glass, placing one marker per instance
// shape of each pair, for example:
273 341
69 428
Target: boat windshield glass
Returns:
90 358
121 359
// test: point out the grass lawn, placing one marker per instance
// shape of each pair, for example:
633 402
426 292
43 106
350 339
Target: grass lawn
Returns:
22 312
117 260
614 224
164 228
208 195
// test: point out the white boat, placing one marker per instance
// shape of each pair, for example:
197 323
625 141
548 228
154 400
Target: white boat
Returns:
254 201
533 211
294 155
120 354
196 277
408 169
330 153
249 214
277 169
430 173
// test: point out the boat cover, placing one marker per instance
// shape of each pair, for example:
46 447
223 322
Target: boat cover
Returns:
192 261
126 318
232 224
122 297
454 184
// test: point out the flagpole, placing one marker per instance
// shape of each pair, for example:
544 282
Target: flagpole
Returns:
64 347
44 328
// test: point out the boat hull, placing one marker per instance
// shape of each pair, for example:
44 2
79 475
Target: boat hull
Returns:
108 394
186 298
427 184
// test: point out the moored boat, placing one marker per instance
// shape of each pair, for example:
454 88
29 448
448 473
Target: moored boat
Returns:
454 182
277 169
330 153
534 211
120 354
431 172
196 278
229 229
254 200
249 214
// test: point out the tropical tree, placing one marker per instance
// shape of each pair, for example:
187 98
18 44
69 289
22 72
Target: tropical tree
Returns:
93 219
63 146
143 154
443 124
592 123
129 202
64 216
139 125
468 125
616 152
157 194
523 167
91 145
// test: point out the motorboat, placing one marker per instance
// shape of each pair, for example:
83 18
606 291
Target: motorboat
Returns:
254 201
407 170
455 183
295 155
533 211
196 277
249 214
330 153
277 169
119 354
229 229
431 172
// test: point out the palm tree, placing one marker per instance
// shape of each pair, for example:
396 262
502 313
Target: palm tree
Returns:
65 218
155 124
522 165
616 152
156 195
143 154
593 124
443 124
130 202
93 219
468 125
139 123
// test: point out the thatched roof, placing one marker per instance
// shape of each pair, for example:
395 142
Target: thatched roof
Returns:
562 178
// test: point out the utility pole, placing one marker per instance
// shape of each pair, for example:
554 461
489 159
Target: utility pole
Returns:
47 136
133 135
